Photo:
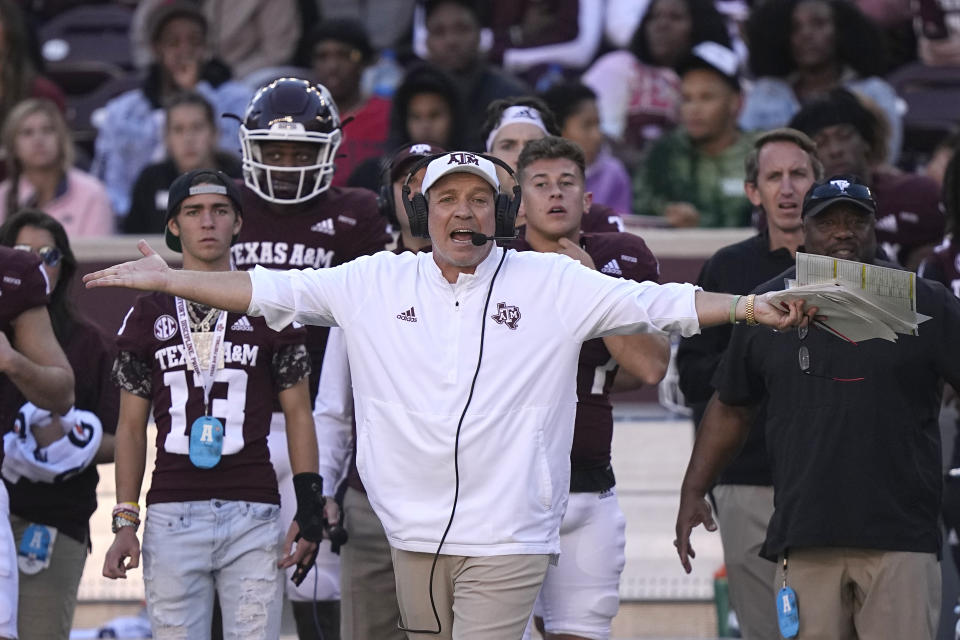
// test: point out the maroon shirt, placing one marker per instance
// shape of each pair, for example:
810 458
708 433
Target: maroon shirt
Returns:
620 255
242 399
337 226
68 505
23 286
908 213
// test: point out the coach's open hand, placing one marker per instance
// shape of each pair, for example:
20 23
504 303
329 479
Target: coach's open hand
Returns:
149 273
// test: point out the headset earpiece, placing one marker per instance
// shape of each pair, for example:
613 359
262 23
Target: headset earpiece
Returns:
416 208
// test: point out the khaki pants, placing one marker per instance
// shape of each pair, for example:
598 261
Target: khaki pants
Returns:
743 512
477 598
368 590
844 594
48 598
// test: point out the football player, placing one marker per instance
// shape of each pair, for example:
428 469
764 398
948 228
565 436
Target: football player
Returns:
32 361
579 596
212 379
295 218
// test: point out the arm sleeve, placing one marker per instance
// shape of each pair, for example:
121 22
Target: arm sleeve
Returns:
592 304
291 364
131 373
333 411
311 296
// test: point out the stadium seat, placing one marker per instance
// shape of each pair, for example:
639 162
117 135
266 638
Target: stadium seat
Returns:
94 32
932 95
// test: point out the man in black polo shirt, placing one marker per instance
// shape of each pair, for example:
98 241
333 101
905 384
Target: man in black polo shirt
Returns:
853 437
779 171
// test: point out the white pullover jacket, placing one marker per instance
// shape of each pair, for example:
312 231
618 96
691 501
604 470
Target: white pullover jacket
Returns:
413 340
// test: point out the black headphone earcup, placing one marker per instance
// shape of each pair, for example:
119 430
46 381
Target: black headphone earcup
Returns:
385 204
506 214
417 212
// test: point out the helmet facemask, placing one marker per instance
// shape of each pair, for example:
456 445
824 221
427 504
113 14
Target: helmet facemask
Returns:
271 181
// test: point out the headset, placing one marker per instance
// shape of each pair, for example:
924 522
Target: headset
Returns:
505 207
385 204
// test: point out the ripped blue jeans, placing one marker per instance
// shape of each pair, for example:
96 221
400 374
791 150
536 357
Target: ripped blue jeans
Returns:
192 548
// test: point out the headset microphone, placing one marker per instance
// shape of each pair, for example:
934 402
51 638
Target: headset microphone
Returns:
478 239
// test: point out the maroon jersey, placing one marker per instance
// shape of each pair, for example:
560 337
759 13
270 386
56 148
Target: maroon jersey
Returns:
944 265
337 226
601 219
23 286
241 398
908 213
621 255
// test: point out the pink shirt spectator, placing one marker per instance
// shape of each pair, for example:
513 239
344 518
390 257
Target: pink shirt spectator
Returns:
637 102
81 204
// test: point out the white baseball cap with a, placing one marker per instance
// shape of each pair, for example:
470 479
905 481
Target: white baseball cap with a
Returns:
460 161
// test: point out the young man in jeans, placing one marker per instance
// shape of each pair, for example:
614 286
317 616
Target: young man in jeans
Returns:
211 377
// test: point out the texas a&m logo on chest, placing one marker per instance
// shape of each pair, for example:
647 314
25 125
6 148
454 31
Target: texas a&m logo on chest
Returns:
506 315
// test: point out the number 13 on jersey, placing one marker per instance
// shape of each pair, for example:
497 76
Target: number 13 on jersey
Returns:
230 410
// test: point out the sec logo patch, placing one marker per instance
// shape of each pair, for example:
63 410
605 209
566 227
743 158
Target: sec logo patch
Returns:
164 328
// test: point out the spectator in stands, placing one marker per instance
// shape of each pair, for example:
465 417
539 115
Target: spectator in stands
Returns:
247 35
190 134
938 32
694 175
638 92
39 152
830 44
426 109
941 156
575 107
18 78
531 37
387 21
453 44
340 52
130 129
61 507
849 140
510 125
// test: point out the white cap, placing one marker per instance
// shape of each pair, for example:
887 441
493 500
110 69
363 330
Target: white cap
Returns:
460 161
721 58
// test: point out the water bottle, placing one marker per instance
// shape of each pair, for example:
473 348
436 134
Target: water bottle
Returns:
387 74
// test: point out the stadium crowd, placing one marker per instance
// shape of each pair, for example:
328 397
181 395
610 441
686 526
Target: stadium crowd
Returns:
281 147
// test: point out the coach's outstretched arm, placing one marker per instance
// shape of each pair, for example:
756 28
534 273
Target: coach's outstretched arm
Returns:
714 309
229 290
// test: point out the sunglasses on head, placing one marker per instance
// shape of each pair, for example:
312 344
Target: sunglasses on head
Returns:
832 190
51 256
